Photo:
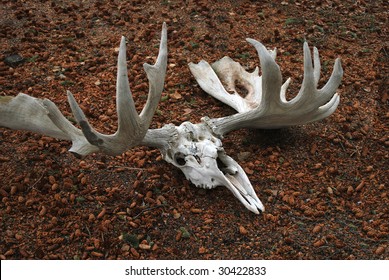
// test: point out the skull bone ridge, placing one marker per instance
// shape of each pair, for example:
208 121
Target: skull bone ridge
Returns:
196 153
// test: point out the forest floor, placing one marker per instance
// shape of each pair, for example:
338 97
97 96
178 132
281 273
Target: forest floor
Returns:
324 184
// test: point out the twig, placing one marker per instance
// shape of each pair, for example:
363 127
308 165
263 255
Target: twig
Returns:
37 181
148 209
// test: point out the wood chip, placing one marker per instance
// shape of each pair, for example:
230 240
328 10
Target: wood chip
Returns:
242 230
380 250
135 253
317 228
202 250
101 214
195 210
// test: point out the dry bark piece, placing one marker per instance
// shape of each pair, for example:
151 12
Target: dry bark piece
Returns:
317 228
102 213
135 253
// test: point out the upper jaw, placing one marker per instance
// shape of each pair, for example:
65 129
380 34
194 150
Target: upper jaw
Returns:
236 180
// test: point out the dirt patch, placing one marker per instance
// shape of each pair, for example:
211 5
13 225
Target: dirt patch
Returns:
324 185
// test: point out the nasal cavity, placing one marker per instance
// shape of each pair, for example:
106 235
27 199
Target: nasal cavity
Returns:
179 158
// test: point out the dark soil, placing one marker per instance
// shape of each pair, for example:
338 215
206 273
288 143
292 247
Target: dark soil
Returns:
324 185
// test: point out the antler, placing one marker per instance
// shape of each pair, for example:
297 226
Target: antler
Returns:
265 105
43 116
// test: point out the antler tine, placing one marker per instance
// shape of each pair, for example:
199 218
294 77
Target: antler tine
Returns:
271 76
131 127
316 65
156 76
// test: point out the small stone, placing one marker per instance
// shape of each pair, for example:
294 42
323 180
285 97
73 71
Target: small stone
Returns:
13 60
144 246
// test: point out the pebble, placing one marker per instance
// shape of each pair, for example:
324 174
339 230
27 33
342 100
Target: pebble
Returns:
144 246
14 60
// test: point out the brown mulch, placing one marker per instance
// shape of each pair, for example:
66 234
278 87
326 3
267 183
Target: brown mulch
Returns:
324 185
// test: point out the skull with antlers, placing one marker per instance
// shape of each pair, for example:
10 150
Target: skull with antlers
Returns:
196 149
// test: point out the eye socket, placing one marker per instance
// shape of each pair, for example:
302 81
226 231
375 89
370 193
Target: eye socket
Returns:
179 158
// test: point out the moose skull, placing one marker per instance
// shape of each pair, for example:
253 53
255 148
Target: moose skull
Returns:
201 157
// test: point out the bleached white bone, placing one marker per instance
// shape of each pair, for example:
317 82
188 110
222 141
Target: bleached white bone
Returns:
265 105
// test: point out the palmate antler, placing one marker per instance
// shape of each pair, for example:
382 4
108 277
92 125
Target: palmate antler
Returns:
196 149
265 105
